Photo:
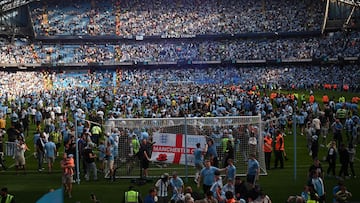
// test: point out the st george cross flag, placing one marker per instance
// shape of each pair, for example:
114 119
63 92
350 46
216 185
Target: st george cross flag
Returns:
55 196
170 148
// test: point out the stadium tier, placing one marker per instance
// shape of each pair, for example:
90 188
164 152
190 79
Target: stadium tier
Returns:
334 45
174 18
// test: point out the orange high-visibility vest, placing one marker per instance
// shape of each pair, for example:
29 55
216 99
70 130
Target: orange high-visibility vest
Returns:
268 144
325 99
273 95
355 100
277 145
311 99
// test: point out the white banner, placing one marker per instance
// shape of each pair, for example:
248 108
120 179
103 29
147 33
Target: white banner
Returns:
170 148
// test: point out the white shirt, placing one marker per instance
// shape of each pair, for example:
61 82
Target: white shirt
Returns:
316 122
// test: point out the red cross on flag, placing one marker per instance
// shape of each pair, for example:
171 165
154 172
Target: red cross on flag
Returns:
170 148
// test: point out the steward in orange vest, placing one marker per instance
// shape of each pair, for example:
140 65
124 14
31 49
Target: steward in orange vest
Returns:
325 99
279 150
267 150
312 99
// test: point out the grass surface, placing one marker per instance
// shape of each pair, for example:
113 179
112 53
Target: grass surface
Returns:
278 184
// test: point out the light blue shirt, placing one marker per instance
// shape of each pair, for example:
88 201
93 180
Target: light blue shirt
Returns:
50 148
231 172
101 149
253 166
198 159
212 151
176 184
208 175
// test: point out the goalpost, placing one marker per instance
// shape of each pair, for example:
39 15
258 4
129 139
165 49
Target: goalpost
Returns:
246 132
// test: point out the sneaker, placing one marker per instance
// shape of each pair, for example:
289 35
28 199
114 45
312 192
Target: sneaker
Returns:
196 181
322 145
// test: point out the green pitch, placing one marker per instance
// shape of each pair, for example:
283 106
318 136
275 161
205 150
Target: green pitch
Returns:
278 184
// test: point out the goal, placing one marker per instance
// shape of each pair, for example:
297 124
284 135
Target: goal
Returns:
246 132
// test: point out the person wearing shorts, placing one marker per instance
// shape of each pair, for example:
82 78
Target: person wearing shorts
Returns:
20 154
67 165
50 153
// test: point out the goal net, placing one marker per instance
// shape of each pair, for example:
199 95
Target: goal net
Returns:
174 140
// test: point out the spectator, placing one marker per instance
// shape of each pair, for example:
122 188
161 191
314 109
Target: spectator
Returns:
331 158
150 198
21 147
162 186
67 164
40 149
352 152
253 170
144 156
344 159
199 161
89 157
50 153
177 186
319 187
343 195
207 176
5 196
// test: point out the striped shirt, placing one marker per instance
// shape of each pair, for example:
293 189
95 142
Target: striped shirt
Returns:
162 187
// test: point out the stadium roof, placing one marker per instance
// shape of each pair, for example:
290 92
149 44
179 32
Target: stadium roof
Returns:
351 2
7 5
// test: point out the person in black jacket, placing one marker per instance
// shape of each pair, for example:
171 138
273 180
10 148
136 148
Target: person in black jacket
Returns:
344 159
331 158
229 153
241 191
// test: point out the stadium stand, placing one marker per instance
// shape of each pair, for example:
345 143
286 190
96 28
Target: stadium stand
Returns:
174 18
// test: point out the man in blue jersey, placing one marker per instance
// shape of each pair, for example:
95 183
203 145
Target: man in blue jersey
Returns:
207 176
212 153
177 186
230 170
198 160
50 152
253 170
216 188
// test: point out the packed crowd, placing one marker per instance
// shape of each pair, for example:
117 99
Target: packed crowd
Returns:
174 18
203 80
331 46
141 91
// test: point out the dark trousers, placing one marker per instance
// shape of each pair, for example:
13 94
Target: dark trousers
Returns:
206 188
216 162
352 168
332 166
344 169
95 139
279 157
267 160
